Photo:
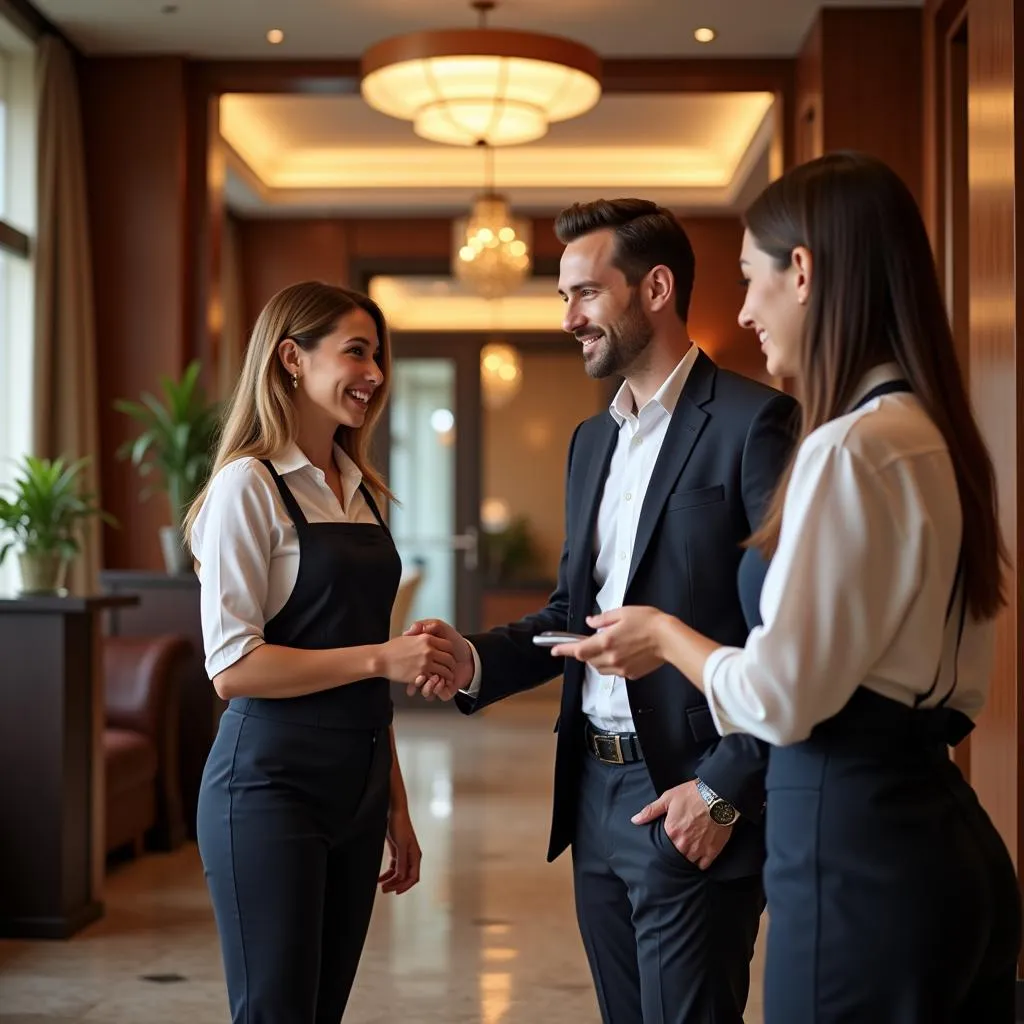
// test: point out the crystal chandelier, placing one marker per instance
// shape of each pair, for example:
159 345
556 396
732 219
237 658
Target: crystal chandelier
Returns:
501 374
492 249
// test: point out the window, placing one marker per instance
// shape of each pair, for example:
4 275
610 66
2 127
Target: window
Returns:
17 231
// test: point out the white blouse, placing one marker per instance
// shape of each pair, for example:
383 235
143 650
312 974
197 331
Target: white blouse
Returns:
248 549
858 590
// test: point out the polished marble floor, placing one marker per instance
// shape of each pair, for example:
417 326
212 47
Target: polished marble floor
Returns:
488 936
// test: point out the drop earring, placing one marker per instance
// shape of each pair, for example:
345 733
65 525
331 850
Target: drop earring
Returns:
295 382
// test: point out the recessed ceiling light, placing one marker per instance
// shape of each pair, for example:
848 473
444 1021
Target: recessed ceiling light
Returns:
704 35
275 36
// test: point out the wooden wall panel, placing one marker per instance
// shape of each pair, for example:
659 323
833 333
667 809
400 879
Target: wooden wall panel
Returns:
872 81
134 119
996 212
859 86
276 253
809 85
718 296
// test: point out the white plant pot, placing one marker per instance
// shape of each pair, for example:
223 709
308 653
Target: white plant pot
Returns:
42 572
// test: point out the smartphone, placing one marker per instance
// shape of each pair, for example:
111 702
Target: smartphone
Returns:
552 638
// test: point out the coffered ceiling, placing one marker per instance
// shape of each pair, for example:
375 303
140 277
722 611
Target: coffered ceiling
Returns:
333 152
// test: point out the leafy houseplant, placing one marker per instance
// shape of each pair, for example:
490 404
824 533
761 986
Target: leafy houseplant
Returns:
176 446
41 519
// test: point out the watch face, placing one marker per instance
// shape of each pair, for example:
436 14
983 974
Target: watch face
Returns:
722 813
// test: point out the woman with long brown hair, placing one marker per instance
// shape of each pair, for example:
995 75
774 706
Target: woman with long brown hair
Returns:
299 574
891 897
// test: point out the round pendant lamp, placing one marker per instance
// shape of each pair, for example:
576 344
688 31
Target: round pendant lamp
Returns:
494 86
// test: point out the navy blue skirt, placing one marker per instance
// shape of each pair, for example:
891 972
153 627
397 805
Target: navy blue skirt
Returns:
891 897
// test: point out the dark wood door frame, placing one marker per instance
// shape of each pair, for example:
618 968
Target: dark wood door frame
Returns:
945 177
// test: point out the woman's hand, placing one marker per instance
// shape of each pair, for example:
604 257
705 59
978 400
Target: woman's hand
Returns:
404 870
628 643
408 658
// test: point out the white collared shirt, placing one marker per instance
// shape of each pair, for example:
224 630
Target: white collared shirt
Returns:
248 549
858 590
641 435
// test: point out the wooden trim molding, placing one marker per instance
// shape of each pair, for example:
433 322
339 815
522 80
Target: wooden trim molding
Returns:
14 241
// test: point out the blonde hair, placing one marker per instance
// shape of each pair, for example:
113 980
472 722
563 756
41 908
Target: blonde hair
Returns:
260 420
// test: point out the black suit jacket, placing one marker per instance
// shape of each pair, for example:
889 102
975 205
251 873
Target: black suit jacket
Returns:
726 445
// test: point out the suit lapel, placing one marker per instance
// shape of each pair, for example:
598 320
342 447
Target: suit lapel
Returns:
684 429
581 569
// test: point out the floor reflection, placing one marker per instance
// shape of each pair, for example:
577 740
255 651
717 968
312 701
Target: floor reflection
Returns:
488 936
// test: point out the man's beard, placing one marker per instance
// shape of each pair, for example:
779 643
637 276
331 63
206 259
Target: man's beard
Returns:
623 342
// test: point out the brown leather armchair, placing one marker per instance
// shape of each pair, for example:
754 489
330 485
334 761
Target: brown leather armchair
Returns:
140 740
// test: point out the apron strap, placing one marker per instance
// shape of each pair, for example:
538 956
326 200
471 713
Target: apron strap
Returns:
296 513
890 387
957 580
373 508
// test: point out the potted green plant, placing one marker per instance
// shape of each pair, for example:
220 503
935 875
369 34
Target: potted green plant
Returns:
509 553
176 448
41 518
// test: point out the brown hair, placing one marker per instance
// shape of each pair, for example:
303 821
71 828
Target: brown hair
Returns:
260 419
875 297
646 236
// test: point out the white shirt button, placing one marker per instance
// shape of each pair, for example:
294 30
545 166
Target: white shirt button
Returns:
629 496
622 556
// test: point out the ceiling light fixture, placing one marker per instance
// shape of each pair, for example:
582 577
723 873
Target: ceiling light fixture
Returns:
484 85
704 35
491 247
275 36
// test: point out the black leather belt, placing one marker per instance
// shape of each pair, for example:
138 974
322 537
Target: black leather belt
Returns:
613 747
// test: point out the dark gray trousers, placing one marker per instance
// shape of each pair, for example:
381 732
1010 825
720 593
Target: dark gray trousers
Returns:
291 826
667 944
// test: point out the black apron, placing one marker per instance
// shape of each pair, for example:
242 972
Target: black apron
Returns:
293 806
345 589
891 898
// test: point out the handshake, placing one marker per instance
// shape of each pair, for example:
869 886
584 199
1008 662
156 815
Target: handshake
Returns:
430 656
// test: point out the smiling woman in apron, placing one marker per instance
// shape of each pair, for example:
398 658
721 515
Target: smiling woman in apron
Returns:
891 897
298 575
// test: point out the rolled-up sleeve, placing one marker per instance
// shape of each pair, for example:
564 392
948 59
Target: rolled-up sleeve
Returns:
836 593
232 541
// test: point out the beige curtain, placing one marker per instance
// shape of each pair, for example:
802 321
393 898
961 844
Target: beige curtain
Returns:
66 415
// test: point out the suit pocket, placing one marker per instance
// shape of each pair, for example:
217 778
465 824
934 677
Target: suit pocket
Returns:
702 725
695 498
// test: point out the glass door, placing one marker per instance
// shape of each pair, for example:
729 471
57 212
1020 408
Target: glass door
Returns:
432 457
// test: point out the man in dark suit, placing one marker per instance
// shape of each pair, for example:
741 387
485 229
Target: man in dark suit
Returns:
663 816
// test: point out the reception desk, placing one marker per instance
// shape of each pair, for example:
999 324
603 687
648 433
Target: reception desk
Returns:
52 810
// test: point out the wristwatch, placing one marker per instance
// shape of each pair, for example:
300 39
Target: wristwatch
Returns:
722 812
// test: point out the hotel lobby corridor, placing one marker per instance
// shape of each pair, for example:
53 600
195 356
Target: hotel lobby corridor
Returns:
488 935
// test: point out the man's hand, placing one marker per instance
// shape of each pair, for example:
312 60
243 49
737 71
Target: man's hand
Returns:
434 686
688 824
